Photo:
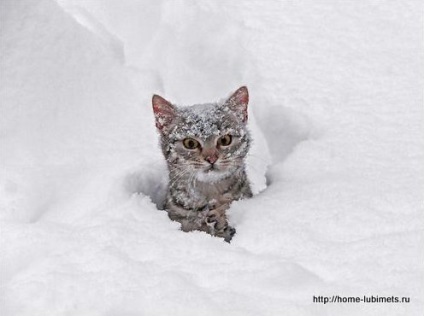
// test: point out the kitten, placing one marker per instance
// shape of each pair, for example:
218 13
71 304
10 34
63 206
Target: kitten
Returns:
204 146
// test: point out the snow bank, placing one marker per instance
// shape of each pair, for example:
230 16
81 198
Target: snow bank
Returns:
336 98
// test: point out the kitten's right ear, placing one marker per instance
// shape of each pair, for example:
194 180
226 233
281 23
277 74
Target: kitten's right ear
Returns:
164 112
238 103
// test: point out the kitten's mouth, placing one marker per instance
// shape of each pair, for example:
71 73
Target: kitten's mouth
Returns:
211 168
211 174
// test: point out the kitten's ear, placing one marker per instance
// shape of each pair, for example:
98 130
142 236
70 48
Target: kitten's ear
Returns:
238 102
164 112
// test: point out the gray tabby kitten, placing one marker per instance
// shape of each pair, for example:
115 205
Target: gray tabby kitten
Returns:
204 146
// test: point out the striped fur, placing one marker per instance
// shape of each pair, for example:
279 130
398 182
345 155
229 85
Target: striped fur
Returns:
204 180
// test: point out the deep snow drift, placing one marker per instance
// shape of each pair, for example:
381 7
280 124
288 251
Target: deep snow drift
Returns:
336 114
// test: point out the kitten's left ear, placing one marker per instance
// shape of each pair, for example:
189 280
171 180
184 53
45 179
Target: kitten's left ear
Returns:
164 112
238 102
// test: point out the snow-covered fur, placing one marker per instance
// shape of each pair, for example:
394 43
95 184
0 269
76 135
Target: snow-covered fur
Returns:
205 146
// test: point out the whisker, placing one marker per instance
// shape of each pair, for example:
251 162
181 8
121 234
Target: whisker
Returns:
178 176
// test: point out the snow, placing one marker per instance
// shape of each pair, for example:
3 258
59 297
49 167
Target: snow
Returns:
336 116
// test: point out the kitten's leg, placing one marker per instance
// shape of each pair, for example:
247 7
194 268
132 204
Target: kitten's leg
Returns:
190 220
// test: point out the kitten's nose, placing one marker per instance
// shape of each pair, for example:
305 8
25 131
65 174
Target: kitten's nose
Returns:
211 159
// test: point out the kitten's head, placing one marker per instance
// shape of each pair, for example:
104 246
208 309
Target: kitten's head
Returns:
209 141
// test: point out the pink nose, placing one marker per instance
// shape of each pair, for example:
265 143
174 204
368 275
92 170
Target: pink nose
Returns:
211 159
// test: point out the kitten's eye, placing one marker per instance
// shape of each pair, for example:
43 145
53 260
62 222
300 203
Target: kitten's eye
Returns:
225 140
190 143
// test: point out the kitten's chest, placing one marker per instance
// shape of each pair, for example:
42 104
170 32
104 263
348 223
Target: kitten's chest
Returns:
193 194
216 195
212 190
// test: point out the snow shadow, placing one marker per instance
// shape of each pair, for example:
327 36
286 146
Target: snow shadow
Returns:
150 181
283 128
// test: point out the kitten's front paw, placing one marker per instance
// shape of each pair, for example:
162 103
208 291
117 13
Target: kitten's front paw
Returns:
228 234
218 217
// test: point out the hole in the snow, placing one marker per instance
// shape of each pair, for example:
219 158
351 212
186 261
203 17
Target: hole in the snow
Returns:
275 134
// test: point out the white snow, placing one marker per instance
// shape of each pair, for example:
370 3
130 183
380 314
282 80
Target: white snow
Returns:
336 102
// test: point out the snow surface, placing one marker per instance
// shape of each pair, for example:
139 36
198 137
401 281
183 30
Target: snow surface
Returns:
336 101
